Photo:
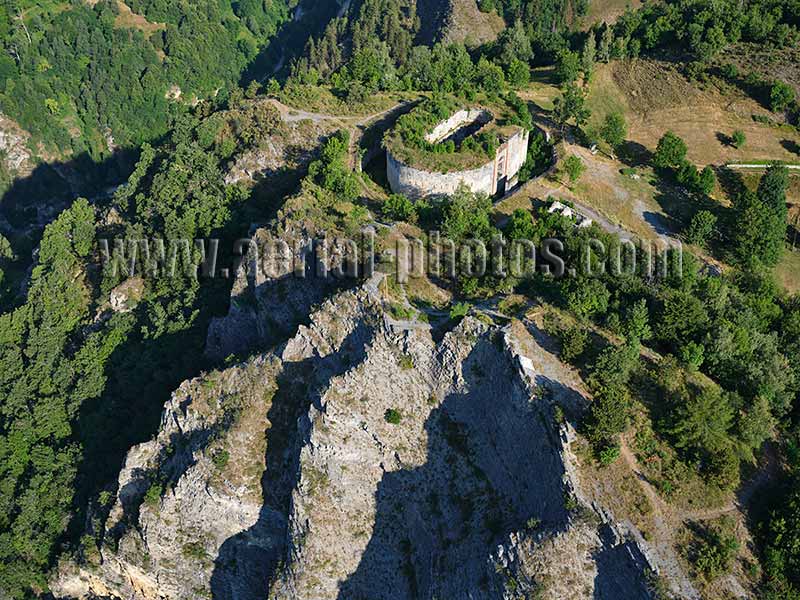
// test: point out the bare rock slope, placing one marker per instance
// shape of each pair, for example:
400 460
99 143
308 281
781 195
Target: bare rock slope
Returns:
457 21
363 459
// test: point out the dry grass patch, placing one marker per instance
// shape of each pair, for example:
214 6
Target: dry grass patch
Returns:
542 90
621 199
321 99
604 96
655 97
471 26
607 11
523 199
617 488
130 20
660 98
787 272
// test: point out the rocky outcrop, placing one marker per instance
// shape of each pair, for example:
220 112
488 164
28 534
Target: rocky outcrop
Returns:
363 459
276 285
278 154
466 24
14 151
456 21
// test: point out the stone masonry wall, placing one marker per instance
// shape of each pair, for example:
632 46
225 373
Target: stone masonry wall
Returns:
462 117
416 183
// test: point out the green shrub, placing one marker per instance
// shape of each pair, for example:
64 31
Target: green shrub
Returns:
573 168
701 228
781 96
459 310
399 208
670 152
573 342
730 71
714 553
220 458
194 550
533 523
608 454
402 313
570 502
153 494
392 416
614 129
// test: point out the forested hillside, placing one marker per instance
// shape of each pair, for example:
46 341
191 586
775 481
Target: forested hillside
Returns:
76 397
89 77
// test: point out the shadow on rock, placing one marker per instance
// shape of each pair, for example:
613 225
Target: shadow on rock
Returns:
620 568
492 465
247 561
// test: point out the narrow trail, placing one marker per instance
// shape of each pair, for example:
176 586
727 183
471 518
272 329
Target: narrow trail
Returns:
291 114
741 500
665 518
356 125
548 367
663 544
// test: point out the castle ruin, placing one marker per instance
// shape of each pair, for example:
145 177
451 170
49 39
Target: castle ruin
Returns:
495 177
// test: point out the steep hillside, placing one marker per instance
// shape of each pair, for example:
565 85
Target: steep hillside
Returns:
361 459
145 53
465 23
216 380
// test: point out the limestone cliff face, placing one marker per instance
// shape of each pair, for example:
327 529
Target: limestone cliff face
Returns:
276 285
457 21
363 459
14 151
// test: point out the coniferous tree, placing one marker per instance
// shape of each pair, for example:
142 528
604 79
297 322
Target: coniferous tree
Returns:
606 44
589 55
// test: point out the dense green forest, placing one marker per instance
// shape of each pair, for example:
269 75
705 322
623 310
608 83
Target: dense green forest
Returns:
79 77
77 397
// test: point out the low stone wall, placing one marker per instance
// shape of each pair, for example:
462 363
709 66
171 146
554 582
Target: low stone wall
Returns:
458 120
496 176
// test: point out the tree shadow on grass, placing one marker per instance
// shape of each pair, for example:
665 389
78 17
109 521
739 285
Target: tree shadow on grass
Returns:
634 154
679 205
724 138
791 146
731 182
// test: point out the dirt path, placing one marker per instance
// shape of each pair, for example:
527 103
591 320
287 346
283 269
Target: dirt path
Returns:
291 114
570 391
663 544
665 519
356 125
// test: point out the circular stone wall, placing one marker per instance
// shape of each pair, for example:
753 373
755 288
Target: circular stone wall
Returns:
496 176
